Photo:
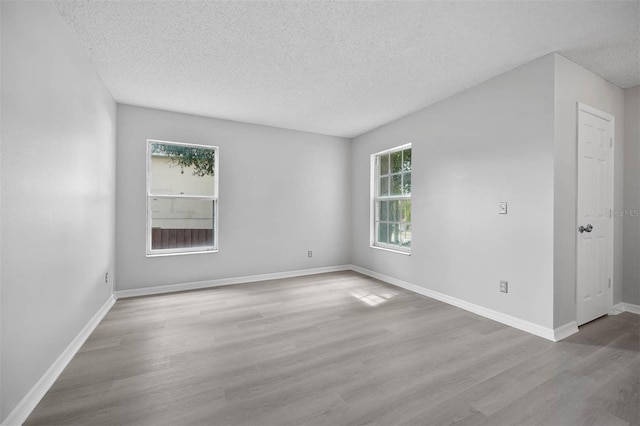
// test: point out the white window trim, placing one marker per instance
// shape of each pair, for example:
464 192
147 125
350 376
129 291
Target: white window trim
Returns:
181 251
373 182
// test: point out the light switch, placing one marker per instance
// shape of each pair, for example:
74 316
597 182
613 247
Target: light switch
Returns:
503 207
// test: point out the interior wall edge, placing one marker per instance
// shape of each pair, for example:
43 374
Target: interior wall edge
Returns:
575 84
630 214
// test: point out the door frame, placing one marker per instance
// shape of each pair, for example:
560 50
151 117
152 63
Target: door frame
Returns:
582 107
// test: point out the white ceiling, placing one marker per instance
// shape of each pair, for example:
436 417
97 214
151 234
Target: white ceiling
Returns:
338 68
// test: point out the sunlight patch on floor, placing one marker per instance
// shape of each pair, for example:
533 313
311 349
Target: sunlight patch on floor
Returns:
372 299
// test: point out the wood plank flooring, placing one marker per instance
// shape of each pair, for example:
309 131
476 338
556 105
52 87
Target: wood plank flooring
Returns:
338 349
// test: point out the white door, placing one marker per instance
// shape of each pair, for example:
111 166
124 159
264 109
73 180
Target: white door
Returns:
595 223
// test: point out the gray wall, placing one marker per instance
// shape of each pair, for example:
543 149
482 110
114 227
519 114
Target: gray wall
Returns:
58 193
631 272
282 193
576 84
491 143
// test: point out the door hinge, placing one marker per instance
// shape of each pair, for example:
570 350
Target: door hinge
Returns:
609 282
610 142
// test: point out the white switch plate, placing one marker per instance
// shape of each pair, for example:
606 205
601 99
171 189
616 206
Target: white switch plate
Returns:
503 207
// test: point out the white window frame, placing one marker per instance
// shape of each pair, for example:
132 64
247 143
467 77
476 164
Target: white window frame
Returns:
374 198
185 250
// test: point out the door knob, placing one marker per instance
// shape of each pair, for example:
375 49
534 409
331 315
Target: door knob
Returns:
587 228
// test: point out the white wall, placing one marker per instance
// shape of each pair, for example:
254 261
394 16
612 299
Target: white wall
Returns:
491 143
631 265
282 193
58 193
576 84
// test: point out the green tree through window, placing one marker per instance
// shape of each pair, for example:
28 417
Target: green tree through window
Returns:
201 160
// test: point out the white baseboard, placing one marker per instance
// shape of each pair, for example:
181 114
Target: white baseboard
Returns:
565 331
630 307
618 308
24 408
520 324
22 411
225 281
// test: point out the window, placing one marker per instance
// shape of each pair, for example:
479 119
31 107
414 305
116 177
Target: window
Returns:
182 198
391 186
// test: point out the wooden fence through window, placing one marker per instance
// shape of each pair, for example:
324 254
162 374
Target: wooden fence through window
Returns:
162 238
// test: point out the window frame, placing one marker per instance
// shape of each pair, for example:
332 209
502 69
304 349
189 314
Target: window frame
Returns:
150 252
375 198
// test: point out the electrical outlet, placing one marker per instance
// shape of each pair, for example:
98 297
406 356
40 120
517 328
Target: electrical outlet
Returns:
309 253
106 277
504 286
502 209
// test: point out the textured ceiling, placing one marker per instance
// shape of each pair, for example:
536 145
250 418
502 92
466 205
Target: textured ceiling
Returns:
338 68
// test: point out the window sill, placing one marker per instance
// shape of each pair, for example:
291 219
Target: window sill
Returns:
406 253
181 253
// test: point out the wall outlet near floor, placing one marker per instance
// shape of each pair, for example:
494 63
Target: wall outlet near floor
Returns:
504 286
106 278
309 253
502 209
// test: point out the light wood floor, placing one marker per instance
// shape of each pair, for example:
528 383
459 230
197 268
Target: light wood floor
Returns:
338 349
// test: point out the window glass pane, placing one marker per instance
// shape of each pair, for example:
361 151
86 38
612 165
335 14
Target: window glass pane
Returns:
382 233
181 170
394 233
405 211
384 165
396 162
406 160
181 222
394 215
405 235
383 208
396 184
383 187
406 183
